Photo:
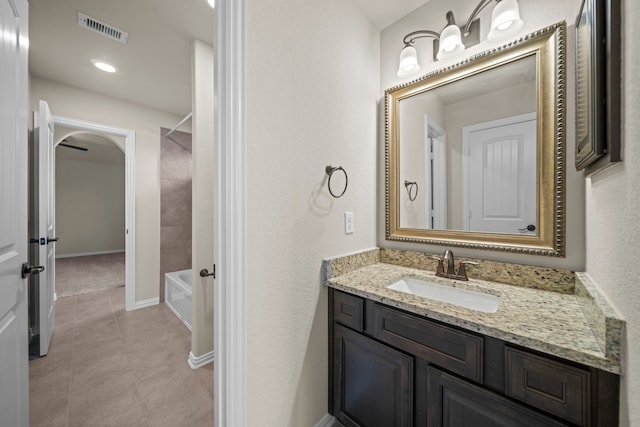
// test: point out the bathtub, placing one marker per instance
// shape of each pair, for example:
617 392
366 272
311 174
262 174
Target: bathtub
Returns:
177 294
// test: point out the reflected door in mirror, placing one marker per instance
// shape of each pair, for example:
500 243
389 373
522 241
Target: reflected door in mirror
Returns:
500 175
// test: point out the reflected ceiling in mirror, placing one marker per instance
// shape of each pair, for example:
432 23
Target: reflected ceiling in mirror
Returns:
475 152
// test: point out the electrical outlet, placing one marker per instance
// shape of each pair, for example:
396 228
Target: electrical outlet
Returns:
348 223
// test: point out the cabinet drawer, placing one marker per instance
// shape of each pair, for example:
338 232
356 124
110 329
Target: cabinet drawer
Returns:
449 348
348 310
552 386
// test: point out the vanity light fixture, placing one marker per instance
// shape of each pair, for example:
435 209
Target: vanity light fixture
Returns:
104 66
212 3
454 39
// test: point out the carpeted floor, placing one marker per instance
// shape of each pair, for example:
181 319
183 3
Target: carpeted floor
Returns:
79 275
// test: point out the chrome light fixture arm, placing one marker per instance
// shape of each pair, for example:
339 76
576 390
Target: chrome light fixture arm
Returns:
410 38
479 8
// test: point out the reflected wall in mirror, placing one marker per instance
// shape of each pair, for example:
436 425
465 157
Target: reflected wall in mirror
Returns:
475 152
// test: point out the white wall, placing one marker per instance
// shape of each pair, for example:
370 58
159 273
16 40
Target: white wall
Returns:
613 229
536 14
89 206
312 88
202 190
79 104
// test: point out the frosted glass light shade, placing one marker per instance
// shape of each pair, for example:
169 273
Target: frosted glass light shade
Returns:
408 62
212 3
450 42
505 20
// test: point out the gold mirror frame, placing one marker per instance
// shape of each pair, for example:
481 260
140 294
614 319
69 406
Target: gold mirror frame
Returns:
548 45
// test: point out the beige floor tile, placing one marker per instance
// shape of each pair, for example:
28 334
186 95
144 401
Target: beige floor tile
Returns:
118 406
109 367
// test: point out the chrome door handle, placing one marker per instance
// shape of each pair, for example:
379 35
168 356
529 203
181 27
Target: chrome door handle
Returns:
31 269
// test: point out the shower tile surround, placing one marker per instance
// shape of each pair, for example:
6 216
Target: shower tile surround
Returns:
557 312
175 203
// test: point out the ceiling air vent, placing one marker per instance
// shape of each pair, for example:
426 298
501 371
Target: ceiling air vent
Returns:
100 27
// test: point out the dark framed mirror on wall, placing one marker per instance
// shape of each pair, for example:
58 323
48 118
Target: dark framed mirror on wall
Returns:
598 79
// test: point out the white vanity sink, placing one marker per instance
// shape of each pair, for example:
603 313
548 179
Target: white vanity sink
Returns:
461 297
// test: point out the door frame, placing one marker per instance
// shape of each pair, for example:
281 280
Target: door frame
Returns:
230 205
129 194
435 174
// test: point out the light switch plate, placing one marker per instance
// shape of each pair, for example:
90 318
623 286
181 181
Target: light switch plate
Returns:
348 223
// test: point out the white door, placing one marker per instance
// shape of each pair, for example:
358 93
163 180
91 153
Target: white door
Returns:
44 196
14 359
500 183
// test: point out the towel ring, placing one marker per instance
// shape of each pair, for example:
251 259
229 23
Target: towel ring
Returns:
412 189
330 170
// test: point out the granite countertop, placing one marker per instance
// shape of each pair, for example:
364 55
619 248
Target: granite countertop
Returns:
551 322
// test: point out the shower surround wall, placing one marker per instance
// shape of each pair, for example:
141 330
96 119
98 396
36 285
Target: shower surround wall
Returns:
175 203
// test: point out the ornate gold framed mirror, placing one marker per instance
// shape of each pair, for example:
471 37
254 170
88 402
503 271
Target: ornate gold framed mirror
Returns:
475 152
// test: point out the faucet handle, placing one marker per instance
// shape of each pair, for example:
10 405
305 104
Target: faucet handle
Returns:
440 267
462 272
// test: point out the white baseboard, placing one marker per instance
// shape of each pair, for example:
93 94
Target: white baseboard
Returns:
198 361
117 251
147 302
327 421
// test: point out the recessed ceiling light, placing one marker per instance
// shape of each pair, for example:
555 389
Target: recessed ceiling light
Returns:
212 3
101 65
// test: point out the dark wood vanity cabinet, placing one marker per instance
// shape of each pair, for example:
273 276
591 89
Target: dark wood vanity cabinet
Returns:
453 402
391 368
375 382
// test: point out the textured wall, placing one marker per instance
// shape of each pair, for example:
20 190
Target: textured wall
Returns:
613 229
536 14
175 203
312 88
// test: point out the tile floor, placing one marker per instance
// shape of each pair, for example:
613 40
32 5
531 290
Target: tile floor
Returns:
110 367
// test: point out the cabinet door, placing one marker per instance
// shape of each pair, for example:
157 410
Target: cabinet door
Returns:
373 383
453 402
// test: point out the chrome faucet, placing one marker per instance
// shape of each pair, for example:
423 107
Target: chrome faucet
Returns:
451 268
447 258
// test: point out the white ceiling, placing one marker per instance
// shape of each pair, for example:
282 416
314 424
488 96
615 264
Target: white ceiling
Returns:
155 64
385 12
